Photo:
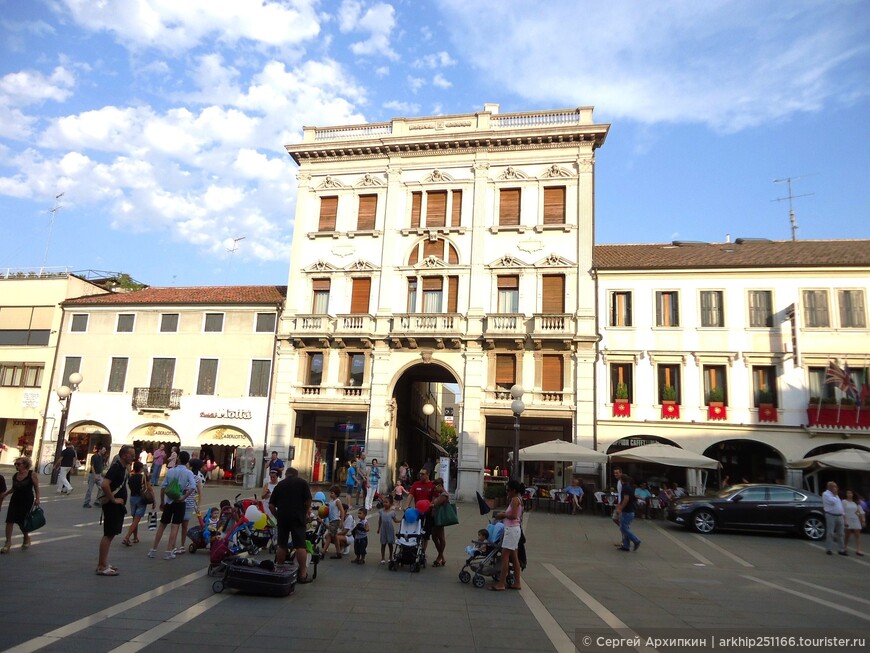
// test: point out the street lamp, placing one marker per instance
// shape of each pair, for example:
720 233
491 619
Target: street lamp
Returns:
428 409
64 393
517 407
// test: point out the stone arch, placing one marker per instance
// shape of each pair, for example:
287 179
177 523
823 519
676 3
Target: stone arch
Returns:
748 458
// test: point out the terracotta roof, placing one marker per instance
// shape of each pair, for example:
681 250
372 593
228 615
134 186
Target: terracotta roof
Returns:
241 295
747 254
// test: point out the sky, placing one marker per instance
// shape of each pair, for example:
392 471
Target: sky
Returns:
161 124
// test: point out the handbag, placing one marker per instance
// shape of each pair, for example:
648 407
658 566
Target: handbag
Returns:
34 521
446 515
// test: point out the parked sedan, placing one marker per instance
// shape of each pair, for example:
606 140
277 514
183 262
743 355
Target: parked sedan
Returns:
753 507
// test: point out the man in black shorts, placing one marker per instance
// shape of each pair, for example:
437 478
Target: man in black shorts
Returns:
289 502
114 486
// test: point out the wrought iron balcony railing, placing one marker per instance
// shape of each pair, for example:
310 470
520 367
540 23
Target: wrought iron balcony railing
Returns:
157 398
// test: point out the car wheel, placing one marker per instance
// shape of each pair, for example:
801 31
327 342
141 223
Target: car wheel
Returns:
704 521
813 528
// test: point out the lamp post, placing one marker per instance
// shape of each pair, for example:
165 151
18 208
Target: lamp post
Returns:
64 393
517 407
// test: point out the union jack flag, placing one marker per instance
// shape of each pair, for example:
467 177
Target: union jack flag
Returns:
842 378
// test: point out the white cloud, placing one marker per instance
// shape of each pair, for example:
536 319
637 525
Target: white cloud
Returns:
437 60
378 20
403 108
382 71
440 81
32 87
416 83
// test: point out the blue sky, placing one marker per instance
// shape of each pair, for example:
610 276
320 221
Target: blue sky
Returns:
163 122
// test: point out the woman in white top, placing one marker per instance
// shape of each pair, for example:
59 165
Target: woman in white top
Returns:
268 487
854 516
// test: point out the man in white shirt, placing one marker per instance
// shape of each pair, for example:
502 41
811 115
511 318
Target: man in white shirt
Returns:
834 523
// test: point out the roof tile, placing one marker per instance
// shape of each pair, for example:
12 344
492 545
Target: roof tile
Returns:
240 295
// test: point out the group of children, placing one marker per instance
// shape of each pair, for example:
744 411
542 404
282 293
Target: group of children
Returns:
343 530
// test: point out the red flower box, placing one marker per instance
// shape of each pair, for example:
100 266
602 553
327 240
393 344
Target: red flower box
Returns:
847 417
767 413
670 411
717 411
621 408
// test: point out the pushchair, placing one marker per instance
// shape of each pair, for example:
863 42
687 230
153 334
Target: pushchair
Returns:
479 565
409 543
200 535
236 542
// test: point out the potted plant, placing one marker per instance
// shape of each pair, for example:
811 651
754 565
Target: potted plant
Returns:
765 398
494 493
717 397
669 395
621 396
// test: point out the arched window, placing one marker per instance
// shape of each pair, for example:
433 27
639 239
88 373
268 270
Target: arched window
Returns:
440 248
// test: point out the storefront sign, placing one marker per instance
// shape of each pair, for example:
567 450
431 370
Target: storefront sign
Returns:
30 400
226 436
227 414
347 427
154 432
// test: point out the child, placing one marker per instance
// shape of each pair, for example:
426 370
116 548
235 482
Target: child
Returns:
361 537
386 529
398 492
335 519
479 547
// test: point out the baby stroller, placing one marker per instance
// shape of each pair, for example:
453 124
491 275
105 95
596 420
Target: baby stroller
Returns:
488 562
232 545
409 543
199 535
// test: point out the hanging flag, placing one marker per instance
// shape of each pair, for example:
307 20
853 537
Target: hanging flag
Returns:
851 389
841 378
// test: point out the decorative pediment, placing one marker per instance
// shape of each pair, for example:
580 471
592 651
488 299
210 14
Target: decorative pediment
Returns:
556 171
554 261
367 181
321 266
331 182
431 262
437 176
360 265
507 261
512 173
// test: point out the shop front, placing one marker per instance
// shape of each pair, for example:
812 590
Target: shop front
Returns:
85 437
325 442
17 436
220 448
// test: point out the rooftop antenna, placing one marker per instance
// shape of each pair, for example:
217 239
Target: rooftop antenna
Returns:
53 211
790 197
235 247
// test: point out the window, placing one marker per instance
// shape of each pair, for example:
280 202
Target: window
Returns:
621 386
260 372
715 389
125 323
667 308
505 371
456 209
26 325
328 213
118 375
452 294
71 365
412 294
816 309
169 323
764 385
360 294
552 373
21 375
784 495
852 315
712 312
508 294
206 383
509 207
433 294
669 385
553 294
760 308
554 205
620 308
436 208
320 304
266 322
214 322
315 368
416 208
356 369
366 212
754 494
818 387
162 373
79 323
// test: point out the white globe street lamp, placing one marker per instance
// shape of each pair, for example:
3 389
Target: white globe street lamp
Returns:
517 407
64 393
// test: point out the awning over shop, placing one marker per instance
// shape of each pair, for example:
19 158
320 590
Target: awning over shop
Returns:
664 454
854 459
89 428
561 451
154 433
226 436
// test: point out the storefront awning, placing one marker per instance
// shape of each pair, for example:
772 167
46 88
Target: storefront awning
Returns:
226 436
89 429
154 433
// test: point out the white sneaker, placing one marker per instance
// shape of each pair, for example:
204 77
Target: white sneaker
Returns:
152 553
169 555
180 550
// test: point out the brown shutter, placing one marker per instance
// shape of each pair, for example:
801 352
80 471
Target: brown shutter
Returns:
452 292
432 283
436 208
416 203
433 248
552 379
553 294
505 369
509 207
508 283
456 210
359 300
320 284
554 205
452 256
368 205
328 211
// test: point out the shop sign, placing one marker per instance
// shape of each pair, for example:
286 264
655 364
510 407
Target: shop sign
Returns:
155 432
347 427
227 414
230 437
30 400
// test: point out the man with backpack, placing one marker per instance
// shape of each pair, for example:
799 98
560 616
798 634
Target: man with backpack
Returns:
178 484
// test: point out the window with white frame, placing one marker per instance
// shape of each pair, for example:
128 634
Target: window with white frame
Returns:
169 323
125 322
206 382
715 386
214 323
508 293
260 373
852 312
620 308
712 310
667 308
760 308
118 374
816 314
79 323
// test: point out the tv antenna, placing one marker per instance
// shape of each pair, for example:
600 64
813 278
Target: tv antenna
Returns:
53 211
790 197
235 247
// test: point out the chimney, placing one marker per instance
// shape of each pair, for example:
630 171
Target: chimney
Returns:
490 107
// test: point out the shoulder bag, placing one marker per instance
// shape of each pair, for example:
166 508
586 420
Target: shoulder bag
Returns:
34 520
446 515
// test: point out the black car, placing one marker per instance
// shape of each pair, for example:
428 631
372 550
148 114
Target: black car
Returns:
753 507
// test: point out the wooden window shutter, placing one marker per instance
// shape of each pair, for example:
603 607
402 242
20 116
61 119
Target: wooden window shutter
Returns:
508 282
328 211
509 207
320 284
553 294
552 379
452 256
456 209
554 205
432 283
359 300
416 203
505 369
436 208
433 248
452 292
368 205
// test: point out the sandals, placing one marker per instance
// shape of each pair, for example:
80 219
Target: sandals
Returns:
25 545
493 588
439 564
6 549
305 581
337 557
135 540
126 542
107 571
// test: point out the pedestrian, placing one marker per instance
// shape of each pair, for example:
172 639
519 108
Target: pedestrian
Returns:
374 484
350 482
362 478
65 463
172 461
510 540
386 527
360 537
114 486
157 461
24 495
143 458
335 520
855 520
834 519
268 488
95 474
439 498
422 489
276 464
625 512
191 502
290 502
404 475
139 488
173 504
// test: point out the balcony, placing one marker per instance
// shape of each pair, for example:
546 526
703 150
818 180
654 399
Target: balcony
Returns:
429 324
314 325
837 416
505 324
156 399
554 325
